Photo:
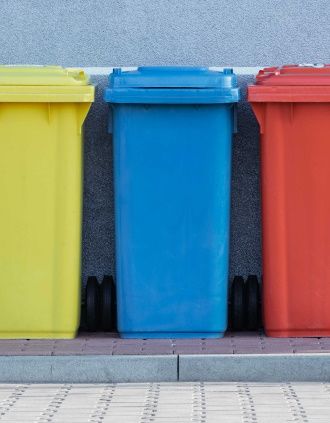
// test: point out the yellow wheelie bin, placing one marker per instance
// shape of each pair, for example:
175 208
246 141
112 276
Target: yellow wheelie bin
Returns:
42 110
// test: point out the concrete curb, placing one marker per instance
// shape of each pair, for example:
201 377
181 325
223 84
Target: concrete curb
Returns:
255 368
165 368
88 369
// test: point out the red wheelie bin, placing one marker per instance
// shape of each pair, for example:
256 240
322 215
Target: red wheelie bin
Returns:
292 105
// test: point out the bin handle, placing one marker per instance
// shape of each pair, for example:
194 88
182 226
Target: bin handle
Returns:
235 118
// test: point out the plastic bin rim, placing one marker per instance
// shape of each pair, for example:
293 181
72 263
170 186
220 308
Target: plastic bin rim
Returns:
289 93
51 94
34 75
172 95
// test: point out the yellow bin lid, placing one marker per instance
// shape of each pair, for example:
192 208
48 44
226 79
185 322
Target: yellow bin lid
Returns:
44 84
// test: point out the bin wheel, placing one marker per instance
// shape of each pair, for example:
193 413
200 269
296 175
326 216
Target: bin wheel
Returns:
108 304
237 304
252 303
92 304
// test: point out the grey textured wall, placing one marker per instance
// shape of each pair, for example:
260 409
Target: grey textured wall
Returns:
165 32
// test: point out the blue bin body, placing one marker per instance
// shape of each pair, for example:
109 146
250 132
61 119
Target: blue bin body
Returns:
172 136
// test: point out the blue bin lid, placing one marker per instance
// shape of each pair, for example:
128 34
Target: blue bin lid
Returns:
180 85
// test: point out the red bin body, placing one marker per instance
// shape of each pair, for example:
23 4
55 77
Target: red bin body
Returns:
292 105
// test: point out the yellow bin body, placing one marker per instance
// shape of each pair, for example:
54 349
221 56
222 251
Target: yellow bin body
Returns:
42 111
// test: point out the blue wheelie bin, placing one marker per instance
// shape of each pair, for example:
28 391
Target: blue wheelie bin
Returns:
172 133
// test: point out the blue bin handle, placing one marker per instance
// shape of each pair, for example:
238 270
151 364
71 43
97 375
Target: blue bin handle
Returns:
235 118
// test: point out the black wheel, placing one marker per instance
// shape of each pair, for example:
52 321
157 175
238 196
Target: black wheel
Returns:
92 304
237 304
108 304
252 303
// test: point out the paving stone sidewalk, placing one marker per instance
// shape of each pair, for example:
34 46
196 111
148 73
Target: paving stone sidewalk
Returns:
166 403
111 344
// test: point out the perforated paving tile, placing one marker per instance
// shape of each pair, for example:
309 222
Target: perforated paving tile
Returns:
111 344
166 402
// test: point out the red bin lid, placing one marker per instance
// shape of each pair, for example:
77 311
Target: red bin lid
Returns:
292 83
